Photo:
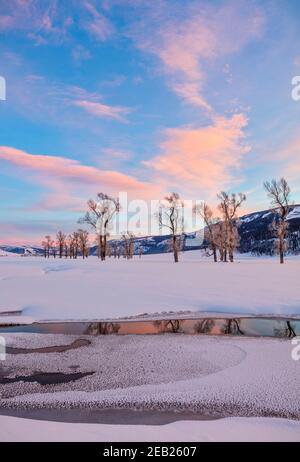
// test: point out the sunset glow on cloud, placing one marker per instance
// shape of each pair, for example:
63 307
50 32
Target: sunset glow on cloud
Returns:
144 97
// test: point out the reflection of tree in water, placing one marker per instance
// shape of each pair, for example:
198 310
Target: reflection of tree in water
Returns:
232 326
171 325
287 330
205 326
103 328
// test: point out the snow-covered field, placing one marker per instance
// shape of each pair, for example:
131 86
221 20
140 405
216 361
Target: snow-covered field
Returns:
216 376
209 375
76 289
231 429
248 379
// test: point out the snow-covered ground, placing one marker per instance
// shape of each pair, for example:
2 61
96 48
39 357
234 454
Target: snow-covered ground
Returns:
222 376
76 289
231 429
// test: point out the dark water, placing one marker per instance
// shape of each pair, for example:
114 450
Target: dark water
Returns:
78 343
107 416
46 378
251 327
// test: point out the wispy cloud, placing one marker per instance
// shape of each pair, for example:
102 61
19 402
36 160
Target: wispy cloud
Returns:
54 21
189 42
38 97
98 26
80 53
103 110
38 21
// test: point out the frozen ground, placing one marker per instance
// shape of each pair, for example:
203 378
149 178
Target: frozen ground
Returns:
208 375
230 429
75 289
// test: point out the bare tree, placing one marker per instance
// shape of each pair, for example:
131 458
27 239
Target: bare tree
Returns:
219 236
140 249
70 245
47 245
83 238
75 239
99 216
207 215
228 206
128 239
279 192
171 216
61 238
44 245
114 246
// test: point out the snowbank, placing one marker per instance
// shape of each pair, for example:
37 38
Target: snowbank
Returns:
231 429
68 289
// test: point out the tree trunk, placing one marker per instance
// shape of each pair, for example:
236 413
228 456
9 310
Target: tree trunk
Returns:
175 250
215 253
281 245
99 247
104 248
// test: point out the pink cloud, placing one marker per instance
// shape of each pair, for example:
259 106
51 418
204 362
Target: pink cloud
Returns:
70 182
31 232
185 43
204 159
32 18
103 110
100 27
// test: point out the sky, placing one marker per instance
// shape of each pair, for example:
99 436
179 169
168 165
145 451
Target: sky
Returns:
144 97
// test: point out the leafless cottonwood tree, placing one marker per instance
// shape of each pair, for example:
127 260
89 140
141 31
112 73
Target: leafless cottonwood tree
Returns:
47 244
219 237
83 238
99 215
279 192
210 222
170 216
114 248
128 240
44 245
228 206
140 249
60 238
70 245
75 240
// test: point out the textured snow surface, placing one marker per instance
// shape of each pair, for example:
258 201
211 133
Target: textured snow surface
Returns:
229 429
209 375
76 289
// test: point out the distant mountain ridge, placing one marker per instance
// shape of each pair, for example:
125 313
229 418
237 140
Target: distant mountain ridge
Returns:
254 231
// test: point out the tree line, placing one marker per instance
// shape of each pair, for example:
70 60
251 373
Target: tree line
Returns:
221 231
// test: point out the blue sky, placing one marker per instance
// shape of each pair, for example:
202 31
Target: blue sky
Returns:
146 97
